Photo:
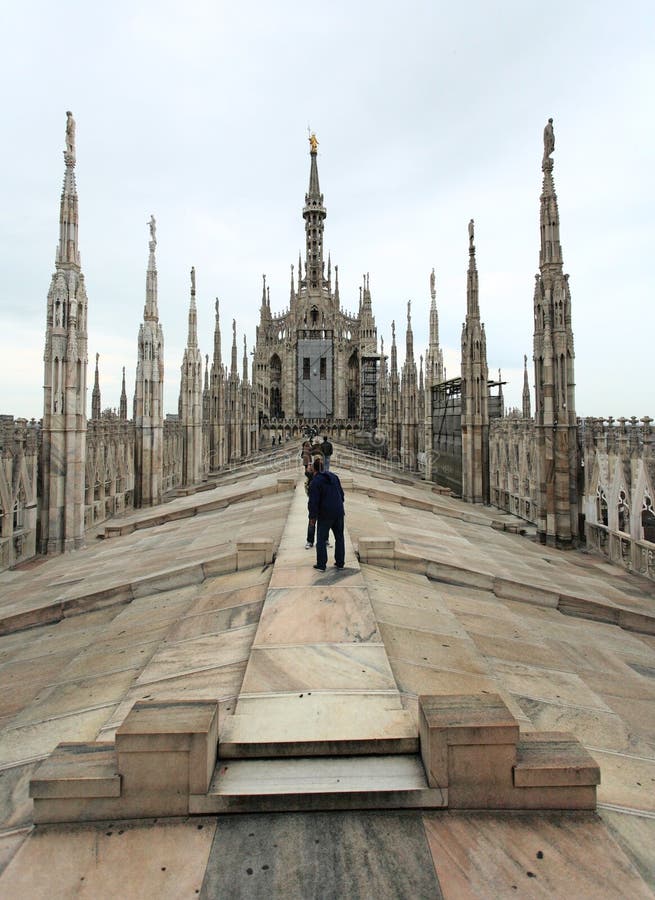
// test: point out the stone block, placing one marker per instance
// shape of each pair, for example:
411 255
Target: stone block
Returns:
480 775
438 571
408 562
251 554
164 730
371 548
168 580
221 565
461 719
525 593
76 770
554 759
413 503
161 774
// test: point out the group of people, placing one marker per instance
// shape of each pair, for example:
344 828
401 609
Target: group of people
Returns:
325 503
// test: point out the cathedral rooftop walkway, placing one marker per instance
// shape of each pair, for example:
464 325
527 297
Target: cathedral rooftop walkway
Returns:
318 679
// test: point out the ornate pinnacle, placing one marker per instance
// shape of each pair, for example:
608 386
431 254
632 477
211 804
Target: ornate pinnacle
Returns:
69 152
549 145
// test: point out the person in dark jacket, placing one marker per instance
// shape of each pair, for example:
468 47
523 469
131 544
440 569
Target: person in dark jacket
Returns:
326 448
326 509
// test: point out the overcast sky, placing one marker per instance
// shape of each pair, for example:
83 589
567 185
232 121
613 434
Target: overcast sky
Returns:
427 113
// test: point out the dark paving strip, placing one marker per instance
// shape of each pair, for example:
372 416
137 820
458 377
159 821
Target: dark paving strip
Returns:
321 855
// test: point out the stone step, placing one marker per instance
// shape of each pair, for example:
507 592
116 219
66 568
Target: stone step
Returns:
317 724
78 770
553 759
344 782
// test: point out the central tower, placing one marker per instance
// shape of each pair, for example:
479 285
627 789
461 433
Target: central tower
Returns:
315 363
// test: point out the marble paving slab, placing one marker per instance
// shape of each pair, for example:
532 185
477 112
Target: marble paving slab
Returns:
636 835
204 652
354 855
118 859
335 614
331 667
544 855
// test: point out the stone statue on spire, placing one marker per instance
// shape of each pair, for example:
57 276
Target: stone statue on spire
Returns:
153 230
193 279
549 139
70 135
471 234
409 313
313 143
433 289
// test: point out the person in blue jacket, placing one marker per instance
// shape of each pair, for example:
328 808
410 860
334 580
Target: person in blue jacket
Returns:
326 510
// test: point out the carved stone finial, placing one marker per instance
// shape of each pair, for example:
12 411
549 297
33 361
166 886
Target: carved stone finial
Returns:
409 313
234 328
70 136
152 223
393 330
525 360
433 280
471 234
216 306
193 279
313 143
549 139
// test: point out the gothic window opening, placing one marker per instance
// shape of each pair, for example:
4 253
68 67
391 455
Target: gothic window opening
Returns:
305 368
601 507
323 374
275 368
314 315
353 386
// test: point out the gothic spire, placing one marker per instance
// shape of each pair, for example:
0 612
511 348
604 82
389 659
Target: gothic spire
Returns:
526 390
433 355
245 361
550 253
122 412
217 340
192 340
394 351
206 382
67 250
95 396
314 215
233 369
472 304
150 311
409 335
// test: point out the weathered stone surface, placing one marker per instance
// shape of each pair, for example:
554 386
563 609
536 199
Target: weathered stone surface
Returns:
353 855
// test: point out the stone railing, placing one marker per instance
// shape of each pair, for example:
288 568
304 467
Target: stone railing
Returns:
636 556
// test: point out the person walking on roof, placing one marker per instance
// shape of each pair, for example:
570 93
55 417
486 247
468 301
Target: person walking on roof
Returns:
327 449
326 509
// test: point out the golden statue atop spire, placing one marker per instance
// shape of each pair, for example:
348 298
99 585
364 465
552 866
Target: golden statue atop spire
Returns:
313 142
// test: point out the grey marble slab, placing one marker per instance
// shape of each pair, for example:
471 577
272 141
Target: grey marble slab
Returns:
354 855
